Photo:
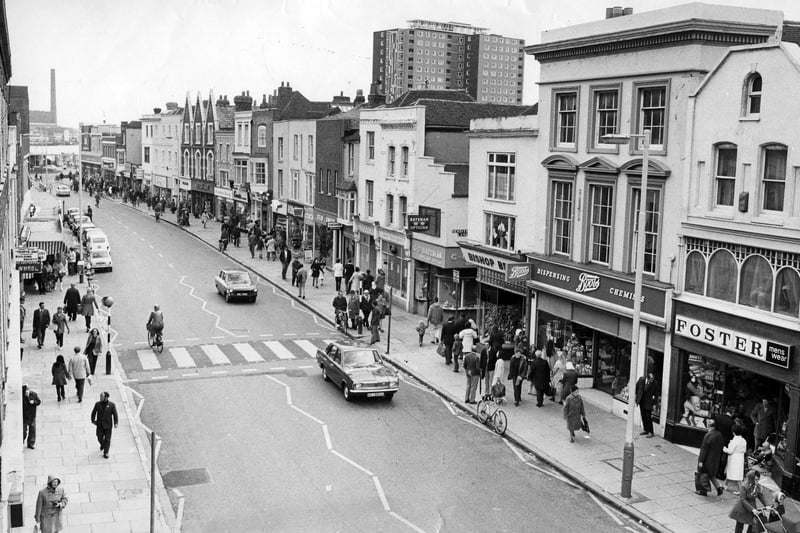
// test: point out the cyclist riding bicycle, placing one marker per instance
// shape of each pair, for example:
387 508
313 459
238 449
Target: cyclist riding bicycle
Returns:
155 324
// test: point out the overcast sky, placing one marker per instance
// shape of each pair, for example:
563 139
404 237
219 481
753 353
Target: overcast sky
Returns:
116 60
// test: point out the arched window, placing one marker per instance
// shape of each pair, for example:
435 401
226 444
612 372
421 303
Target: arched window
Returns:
753 94
210 166
787 292
755 283
722 276
695 273
186 164
198 165
262 136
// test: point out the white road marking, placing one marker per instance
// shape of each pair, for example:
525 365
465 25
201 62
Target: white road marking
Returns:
141 239
605 508
192 338
266 335
449 407
170 265
245 370
329 341
306 366
148 359
219 372
218 337
353 463
554 475
140 342
327 436
193 374
161 256
290 334
280 351
151 246
406 522
514 449
159 377
248 352
215 354
133 231
182 357
314 333
315 419
307 347
381 494
242 336
278 368
203 307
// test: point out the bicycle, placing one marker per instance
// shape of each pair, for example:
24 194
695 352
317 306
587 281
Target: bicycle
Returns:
341 320
155 340
489 410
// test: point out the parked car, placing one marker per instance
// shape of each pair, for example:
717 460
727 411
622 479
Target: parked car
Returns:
358 371
97 240
85 226
100 260
62 190
78 220
234 284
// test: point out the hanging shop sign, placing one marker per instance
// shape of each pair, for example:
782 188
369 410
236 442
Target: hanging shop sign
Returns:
29 259
418 222
519 271
734 341
597 286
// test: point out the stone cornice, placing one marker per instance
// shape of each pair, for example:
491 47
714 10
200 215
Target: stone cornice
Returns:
671 34
503 133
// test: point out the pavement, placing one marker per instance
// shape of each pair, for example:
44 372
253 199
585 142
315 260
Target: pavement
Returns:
663 497
105 495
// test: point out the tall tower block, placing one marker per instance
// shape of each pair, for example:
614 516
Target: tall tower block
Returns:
53 116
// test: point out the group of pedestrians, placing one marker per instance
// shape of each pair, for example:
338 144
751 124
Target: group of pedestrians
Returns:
366 302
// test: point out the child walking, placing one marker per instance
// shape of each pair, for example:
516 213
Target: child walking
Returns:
421 328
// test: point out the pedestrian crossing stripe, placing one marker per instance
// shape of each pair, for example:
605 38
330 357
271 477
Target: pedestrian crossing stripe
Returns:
205 355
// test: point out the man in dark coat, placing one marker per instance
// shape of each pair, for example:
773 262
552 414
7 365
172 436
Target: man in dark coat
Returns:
71 300
349 268
472 368
449 331
104 415
540 376
725 422
41 319
285 258
646 394
296 266
710 455
30 401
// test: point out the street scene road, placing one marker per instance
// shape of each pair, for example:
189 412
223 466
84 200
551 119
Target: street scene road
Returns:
256 440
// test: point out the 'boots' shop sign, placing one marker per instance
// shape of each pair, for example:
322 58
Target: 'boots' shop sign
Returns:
732 340
591 284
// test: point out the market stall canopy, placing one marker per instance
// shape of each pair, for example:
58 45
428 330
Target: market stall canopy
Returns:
44 234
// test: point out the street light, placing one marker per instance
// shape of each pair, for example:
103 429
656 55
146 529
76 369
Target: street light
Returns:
628 450
108 301
82 261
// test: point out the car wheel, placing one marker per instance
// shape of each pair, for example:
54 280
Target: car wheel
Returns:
346 392
325 374
388 396
227 297
253 299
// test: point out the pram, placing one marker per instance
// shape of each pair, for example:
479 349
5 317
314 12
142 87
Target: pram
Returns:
761 457
770 519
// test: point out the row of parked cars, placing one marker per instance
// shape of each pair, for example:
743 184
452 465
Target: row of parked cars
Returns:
95 242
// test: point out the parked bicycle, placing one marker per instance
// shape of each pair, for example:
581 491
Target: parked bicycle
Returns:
489 410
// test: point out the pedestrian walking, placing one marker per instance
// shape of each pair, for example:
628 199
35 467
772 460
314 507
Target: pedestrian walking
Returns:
353 309
50 503
338 274
60 376
366 281
41 319
224 237
736 448
375 325
646 394
569 379
300 278
366 308
468 337
30 401
72 262
472 368
236 235
750 495
381 306
59 326
354 281
60 270
88 307
557 369
380 281
517 372
540 376
435 320
421 327
204 218
104 416
296 266
710 455
252 241
574 413
78 367
448 337
271 247
285 258
22 313
260 246
457 351
93 349
316 269
349 270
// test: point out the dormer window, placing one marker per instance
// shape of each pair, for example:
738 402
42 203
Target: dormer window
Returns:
753 95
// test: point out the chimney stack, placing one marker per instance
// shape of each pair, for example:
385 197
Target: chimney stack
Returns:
53 115
156 110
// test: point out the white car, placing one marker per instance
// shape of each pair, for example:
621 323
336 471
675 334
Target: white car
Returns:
97 240
100 260
85 226
62 190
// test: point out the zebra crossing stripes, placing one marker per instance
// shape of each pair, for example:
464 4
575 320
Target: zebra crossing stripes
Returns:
182 357
148 359
307 347
248 352
280 351
215 354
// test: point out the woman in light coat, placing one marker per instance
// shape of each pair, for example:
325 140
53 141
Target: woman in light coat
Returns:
88 306
736 448
49 505
557 372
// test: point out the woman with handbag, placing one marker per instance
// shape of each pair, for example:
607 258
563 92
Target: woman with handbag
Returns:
574 413
49 505
749 495
60 376
93 348
59 325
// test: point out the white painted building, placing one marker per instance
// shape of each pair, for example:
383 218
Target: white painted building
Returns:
161 150
294 174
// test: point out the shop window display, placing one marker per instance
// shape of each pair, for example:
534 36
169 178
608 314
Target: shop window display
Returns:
577 341
613 365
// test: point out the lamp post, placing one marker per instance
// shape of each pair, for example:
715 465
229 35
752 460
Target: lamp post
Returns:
628 450
108 301
80 206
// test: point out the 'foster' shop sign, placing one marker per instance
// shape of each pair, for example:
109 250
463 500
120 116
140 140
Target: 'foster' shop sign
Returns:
732 340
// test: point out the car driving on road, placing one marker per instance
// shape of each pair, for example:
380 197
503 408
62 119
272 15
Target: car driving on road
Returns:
63 190
233 284
358 371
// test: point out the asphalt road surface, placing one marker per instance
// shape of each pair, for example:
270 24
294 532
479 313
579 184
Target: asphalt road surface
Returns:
256 441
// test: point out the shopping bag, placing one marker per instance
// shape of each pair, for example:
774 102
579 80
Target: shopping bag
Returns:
439 349
702 482
585 425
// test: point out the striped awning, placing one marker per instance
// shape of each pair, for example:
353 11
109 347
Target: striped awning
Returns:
51 247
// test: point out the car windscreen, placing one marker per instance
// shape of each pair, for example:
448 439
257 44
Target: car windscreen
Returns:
100 253
239 277
360 358
99 238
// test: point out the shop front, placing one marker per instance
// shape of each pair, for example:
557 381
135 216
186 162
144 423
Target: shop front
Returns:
184 189
347 244
367 252
326 229
586 313
241 201
500 302
394 260
728 364
202 198
223 202
442 272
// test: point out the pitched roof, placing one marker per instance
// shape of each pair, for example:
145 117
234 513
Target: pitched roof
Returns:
411 97
444 113
300 107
